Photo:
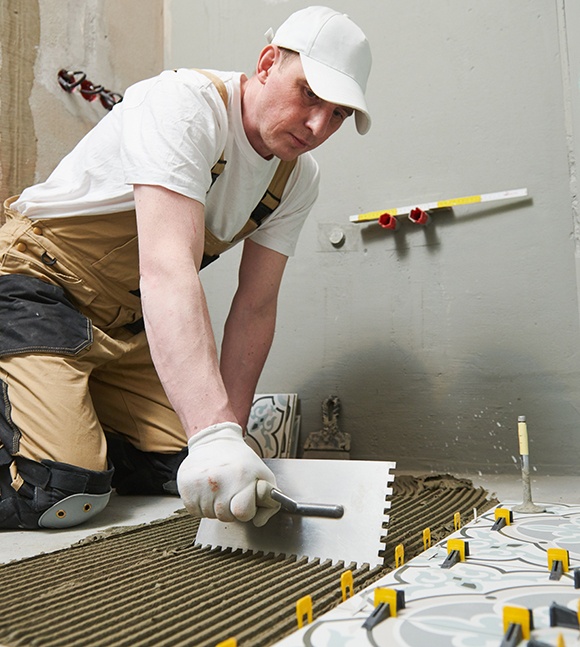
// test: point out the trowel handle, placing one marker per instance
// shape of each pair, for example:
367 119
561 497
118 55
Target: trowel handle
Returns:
307 509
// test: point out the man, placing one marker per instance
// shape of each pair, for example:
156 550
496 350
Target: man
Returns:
105 333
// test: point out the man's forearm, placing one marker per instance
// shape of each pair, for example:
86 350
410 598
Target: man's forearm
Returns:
184 352
249 328
246 344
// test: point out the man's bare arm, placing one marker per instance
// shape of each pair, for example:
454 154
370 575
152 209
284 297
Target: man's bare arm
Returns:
250 326
219 476
171 238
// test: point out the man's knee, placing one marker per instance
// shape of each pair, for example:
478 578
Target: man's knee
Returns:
49 494
139 472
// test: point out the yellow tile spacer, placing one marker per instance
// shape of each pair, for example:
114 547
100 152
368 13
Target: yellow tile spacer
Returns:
426 538
559 555
346 585
518 616
230 642
503 513
457 521
399 555
560 642
458 545
304 608
387 596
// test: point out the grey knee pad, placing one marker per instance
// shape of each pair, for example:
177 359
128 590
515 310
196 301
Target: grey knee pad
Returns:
73 510
51 495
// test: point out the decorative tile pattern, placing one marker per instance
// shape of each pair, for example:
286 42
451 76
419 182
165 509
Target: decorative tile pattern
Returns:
273 426
463 606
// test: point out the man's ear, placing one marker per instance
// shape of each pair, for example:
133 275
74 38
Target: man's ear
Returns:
266 60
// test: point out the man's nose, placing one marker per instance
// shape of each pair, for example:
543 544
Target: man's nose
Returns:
319 119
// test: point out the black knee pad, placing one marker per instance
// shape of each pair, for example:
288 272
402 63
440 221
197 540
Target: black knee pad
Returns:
52 495
138 472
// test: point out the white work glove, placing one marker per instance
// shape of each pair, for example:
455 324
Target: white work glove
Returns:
219 477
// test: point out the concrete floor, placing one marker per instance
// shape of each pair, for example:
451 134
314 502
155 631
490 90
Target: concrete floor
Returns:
122 511
545 489
133 511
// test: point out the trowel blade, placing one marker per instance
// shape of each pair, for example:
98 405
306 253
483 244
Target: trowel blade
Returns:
360 486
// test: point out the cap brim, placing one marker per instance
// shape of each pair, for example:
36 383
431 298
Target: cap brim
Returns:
335 87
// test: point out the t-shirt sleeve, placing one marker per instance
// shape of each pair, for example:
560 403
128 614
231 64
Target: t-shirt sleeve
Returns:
282 229
173 130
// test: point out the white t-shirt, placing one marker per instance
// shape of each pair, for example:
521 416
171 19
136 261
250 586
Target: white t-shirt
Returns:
169 131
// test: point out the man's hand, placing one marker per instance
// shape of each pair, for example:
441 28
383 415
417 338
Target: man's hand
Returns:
218 478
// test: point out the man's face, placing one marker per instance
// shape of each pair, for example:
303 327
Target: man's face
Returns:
290 118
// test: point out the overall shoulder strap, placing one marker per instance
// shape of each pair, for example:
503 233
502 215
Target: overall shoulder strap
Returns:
273 196
220 165
219 84
269 202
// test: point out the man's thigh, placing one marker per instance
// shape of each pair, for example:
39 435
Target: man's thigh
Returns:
46 410
130 401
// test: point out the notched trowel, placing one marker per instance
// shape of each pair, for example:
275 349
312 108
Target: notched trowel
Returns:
347 523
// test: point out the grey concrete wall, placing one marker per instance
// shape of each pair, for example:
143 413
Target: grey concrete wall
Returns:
115 43
435 339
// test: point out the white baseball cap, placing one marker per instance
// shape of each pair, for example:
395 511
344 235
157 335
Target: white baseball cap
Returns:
335 55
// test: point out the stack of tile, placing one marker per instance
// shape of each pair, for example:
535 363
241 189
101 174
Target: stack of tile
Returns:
274 425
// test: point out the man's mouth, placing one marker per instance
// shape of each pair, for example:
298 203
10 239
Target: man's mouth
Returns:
301 142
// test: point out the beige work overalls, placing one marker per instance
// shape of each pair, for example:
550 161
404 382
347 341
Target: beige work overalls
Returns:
63 386
72 365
